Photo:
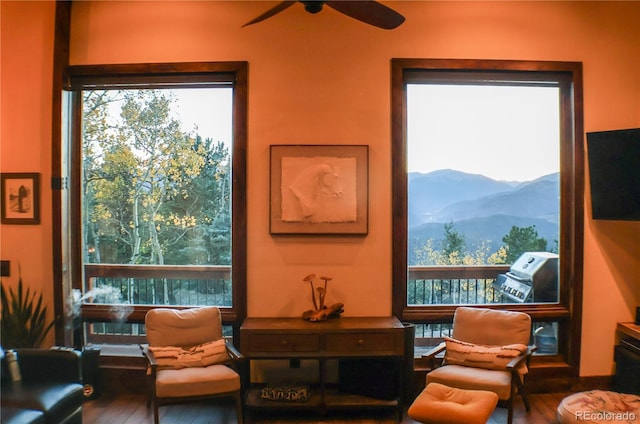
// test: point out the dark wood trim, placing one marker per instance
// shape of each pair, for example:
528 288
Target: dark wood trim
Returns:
568 313
399 186
137 75
239 197
576 248
60 62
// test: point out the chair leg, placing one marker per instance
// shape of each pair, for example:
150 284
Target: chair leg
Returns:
523 394
156 415
510 410
239 412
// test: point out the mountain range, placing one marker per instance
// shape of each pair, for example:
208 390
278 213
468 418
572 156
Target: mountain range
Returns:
482 209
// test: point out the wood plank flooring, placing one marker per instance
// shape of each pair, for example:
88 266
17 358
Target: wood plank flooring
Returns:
129 408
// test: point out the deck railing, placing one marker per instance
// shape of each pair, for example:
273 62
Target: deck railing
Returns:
453 285
116 297
112 291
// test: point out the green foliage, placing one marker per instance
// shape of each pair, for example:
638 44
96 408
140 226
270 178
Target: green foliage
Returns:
153 194
23 318
520 240
453 252
453 245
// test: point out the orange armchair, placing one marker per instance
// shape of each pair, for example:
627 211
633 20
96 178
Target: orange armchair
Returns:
488 350
189 359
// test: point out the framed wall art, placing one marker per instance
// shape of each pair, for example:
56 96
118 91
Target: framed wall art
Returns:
319 189
20 198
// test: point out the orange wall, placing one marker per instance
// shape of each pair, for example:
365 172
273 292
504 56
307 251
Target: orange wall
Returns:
324 79
26 59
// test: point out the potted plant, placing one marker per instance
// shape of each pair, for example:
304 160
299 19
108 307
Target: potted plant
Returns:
23 317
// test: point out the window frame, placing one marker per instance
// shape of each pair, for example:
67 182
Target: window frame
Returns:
154 75
568 311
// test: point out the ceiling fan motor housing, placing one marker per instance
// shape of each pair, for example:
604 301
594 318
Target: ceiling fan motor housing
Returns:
313 6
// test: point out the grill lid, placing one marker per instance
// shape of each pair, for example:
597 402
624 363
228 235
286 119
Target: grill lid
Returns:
529 263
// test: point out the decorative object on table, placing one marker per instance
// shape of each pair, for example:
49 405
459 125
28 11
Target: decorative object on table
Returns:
20 194
319 189
321 312
24 318
286 392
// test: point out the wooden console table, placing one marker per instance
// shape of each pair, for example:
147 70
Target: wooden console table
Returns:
340 338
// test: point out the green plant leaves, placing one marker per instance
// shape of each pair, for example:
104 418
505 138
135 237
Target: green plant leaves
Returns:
23 318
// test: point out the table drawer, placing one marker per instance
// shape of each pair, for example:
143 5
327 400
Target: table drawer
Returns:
365 343
284 343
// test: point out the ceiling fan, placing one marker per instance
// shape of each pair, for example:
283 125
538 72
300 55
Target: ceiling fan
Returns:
369 12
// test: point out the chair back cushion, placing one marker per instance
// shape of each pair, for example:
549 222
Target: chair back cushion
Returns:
491 327
185 328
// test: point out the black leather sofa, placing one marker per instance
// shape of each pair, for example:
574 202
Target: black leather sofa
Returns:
50 391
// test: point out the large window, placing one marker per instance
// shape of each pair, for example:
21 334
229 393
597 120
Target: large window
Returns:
155 212
487 168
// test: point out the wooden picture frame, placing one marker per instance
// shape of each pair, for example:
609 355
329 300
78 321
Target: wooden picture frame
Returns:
319 189
20 198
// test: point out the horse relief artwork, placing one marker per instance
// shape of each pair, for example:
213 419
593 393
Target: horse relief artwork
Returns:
318 189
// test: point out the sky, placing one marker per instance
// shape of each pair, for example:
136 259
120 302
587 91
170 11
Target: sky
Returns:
208 109
502 132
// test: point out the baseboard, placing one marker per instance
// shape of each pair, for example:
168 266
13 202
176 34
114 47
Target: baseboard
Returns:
602 382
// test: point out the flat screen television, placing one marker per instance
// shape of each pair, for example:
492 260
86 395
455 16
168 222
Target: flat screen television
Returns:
614 171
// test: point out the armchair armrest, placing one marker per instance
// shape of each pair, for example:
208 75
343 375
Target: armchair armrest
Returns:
435 352
50 365
525 356
151 359
234 353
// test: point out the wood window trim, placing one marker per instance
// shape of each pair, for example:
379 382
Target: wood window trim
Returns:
568 312
171 75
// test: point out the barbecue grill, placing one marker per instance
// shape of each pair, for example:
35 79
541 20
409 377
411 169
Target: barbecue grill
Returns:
531 278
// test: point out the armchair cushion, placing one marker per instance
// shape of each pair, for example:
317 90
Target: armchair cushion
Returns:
482 356
172 383
491 327
202 355
185 328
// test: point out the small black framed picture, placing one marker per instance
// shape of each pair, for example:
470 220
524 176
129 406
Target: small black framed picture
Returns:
20 198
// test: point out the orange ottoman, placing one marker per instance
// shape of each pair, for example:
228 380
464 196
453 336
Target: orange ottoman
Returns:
447 405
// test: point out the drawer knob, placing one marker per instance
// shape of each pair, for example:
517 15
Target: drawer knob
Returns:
360 342
284 342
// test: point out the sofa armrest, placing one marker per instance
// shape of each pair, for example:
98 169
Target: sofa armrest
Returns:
50 365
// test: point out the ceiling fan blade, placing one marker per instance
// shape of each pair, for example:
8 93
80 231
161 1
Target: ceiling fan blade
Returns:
269 13
370 12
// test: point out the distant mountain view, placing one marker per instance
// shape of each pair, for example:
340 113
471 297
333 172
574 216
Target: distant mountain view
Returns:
482 209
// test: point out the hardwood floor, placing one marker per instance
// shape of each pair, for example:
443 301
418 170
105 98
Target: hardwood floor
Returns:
131 408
